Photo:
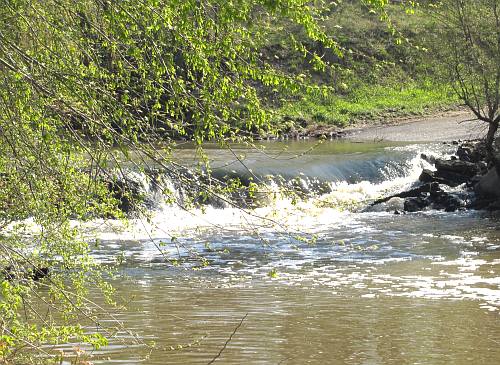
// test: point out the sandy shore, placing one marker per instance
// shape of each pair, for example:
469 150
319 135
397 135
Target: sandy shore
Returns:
447 126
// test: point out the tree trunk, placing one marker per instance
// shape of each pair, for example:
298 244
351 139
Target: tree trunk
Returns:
490 137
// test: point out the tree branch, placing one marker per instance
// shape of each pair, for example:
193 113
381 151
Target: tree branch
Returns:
228 340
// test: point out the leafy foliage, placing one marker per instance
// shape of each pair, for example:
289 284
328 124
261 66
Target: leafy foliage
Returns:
82 82
469 55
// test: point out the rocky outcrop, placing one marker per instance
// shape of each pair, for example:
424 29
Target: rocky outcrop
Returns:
457 167
428 176
412 193
488 185
469 167
472 152
429 195
452 172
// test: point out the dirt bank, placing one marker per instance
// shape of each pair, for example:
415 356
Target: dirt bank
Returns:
453 125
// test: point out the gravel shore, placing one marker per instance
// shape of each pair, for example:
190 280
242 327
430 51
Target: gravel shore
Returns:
454 125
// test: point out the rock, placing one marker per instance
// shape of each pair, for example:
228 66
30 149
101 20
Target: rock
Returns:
446 201
426 176
429 158
455 172
450 178
395 203
391 205
40 273
415 204
127 191
412 193
427 195
337 134
464 154
494 206
464 168
489 185
479 152
438 200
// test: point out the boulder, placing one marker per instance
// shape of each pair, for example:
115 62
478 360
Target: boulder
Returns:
455 172
426 176
391 205
444 201
394 204
429 158
489 185
494 206
415 204
412 193
451 178
465 168
464 153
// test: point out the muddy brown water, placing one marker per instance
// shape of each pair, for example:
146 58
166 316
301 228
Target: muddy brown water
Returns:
375 288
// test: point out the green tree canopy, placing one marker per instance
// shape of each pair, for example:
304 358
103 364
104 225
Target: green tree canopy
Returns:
79 79
467 48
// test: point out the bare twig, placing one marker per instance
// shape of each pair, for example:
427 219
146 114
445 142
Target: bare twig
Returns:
228 340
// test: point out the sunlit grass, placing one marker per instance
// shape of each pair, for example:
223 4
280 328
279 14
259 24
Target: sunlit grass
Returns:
367 103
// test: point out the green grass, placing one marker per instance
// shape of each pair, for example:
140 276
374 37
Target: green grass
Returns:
369 103
378 81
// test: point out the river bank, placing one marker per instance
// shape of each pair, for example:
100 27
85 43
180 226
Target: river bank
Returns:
446 125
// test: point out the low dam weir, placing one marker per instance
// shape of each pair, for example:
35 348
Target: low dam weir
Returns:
321 279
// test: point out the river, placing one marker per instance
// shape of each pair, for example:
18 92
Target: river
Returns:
373 287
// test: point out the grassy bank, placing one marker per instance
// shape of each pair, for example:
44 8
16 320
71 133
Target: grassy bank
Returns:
368 103
379 78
